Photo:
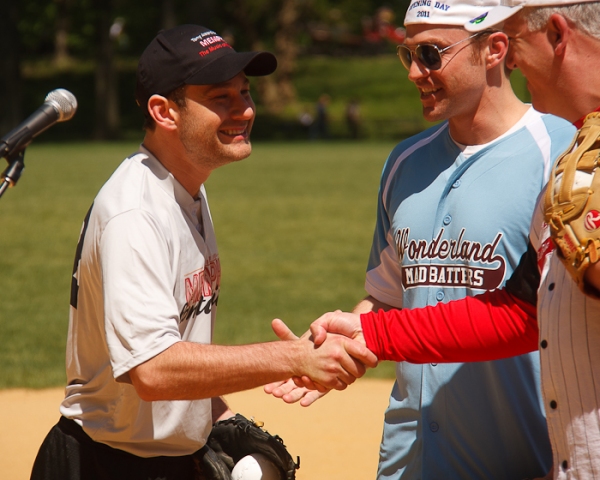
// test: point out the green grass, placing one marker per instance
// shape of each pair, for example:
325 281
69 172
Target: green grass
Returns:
294 224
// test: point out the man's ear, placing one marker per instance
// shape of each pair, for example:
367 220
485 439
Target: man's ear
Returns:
160 109
559 33
497 49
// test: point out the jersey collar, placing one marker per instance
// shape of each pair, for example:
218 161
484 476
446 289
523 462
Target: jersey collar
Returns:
579 123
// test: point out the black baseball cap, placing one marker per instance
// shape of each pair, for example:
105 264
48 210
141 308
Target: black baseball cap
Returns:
193 55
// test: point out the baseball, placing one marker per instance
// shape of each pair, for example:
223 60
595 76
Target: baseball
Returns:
255 467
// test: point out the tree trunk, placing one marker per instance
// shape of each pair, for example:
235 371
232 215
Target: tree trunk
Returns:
106 88
278 90
201 13
169 18
10 80
61 50
286 48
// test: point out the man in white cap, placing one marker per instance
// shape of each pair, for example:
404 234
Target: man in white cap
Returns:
555 43
454 208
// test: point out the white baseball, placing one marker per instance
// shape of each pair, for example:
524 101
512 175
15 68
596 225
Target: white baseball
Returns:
581 180
255 467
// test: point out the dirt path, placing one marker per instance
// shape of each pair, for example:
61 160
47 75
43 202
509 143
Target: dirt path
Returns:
337 438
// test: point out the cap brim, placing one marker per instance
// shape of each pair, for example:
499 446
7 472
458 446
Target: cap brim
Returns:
491 18
225 67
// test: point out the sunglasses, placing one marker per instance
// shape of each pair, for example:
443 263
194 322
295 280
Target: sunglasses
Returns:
429 55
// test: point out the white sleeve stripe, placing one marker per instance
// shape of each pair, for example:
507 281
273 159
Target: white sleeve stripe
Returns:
539 132
406 153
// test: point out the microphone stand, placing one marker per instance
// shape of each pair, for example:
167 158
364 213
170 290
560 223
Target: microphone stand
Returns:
11 175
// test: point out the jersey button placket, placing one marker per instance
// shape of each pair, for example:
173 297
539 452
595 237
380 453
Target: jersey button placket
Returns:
447 219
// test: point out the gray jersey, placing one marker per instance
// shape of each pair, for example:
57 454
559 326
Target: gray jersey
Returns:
146 276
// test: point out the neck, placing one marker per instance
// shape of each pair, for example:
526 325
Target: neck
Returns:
497 112
175 159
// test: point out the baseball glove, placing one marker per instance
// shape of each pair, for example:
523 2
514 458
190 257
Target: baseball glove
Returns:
572 201
234 438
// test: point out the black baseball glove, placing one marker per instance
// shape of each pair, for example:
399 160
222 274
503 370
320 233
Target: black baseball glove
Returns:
232 439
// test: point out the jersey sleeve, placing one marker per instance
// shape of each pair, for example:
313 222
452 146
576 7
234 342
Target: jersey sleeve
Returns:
384 272
496 324
140 313
489 326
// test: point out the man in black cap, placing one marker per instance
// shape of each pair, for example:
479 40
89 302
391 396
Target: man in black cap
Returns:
144 381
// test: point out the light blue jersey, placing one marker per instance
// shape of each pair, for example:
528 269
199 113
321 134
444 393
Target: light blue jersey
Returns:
450 226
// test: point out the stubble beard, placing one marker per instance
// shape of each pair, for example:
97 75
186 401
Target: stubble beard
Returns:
205 149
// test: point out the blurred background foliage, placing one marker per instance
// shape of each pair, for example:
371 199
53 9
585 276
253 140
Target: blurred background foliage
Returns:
342 51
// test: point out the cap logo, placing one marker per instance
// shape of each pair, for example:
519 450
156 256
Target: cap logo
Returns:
479 19
210 42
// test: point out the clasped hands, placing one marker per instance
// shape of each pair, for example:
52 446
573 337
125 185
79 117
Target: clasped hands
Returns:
331 332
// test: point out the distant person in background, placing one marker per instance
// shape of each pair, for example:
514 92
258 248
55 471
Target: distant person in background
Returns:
306 120
320 127
353 118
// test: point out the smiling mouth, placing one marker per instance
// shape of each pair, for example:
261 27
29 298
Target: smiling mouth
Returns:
428 91
237 132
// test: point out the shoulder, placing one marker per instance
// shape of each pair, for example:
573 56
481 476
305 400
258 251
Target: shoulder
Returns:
557 128
426 137
133 186
433 137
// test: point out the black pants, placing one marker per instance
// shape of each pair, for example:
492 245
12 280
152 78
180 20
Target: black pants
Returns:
68 453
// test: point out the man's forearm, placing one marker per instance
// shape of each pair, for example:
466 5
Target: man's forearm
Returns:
187 371
489 326
370 304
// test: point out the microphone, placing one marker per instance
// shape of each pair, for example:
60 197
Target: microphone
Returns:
59 106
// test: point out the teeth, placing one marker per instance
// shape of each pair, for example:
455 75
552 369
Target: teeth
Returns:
234 132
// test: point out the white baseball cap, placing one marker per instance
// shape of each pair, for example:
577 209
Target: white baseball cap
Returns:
508 8
447 12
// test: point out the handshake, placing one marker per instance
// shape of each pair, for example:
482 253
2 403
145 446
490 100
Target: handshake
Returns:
339 357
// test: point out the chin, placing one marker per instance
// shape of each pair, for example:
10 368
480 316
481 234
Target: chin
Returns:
432 116
240 151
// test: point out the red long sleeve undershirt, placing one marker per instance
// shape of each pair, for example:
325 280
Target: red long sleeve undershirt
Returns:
489 326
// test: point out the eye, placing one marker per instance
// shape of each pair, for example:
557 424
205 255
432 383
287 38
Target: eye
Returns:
219 95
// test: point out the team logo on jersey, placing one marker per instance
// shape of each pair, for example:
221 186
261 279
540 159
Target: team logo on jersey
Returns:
592 220
454 263
201 289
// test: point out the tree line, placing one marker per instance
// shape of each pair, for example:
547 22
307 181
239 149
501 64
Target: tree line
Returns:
62 34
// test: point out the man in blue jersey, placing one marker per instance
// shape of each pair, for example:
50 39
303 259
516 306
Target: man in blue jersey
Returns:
453 216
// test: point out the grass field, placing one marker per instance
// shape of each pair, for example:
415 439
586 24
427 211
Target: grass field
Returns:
294 224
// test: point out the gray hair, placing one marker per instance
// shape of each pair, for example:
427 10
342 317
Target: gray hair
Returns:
586 16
